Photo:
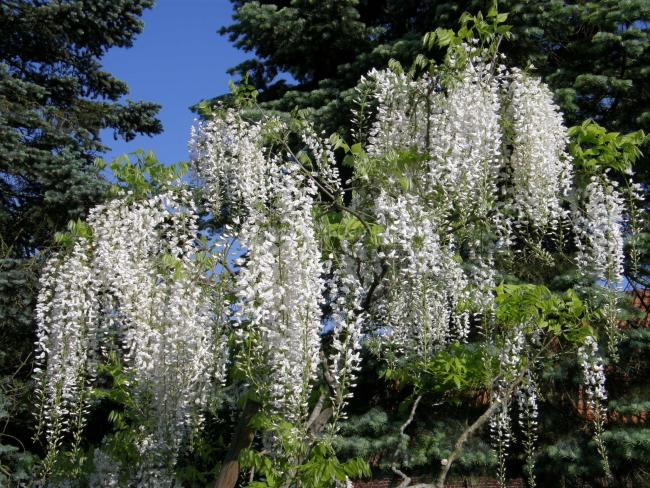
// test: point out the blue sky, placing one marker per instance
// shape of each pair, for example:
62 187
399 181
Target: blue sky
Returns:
178 60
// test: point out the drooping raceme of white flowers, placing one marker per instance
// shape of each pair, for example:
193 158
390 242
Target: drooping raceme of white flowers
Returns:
540 168
527 403
347 319
419 305
401 101
510 359
280 289
593 372
133 289
464 144
228 154
68 332
599 231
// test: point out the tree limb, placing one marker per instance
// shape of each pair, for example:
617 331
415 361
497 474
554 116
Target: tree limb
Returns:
405 479
242 438
478 423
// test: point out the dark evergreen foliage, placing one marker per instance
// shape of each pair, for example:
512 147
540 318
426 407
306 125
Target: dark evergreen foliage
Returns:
595 54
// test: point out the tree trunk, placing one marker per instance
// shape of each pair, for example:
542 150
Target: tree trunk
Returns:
242 438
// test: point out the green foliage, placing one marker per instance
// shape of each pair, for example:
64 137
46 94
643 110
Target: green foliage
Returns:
450 374
124 411
536 307
76 229
54 102
319 470
16 464
488 31
341 227
314 466
143 176
594 149
374 435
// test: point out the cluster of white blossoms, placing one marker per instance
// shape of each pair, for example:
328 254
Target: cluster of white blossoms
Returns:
493 147
510 366
67 340
280 290
228 155
133 289
347 319
593 373
269 197
527 403
539 166
424 284
599 231
401 102
464 144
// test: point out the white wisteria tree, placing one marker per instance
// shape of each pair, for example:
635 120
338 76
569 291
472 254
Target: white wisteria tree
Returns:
256 289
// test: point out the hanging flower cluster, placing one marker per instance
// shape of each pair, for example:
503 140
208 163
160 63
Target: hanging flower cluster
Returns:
418 305
133 288
599 231
527 403
593 374
347 319
68 332
228 155
280 286
280 291
510 359
539 166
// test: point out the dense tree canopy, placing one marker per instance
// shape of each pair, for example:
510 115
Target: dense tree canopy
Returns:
55 100
595 55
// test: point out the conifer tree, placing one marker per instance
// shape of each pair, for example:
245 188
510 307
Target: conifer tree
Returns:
594 54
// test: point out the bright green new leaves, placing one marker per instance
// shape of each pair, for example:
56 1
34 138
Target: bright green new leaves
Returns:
339 227
487 30
536 307
464 368
595 149
318 467
144 175
451 373
76 229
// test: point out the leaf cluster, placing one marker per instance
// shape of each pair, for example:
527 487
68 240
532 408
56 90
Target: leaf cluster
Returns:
595 149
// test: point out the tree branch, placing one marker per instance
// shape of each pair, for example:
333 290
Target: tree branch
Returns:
241 439
458 445
405 479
